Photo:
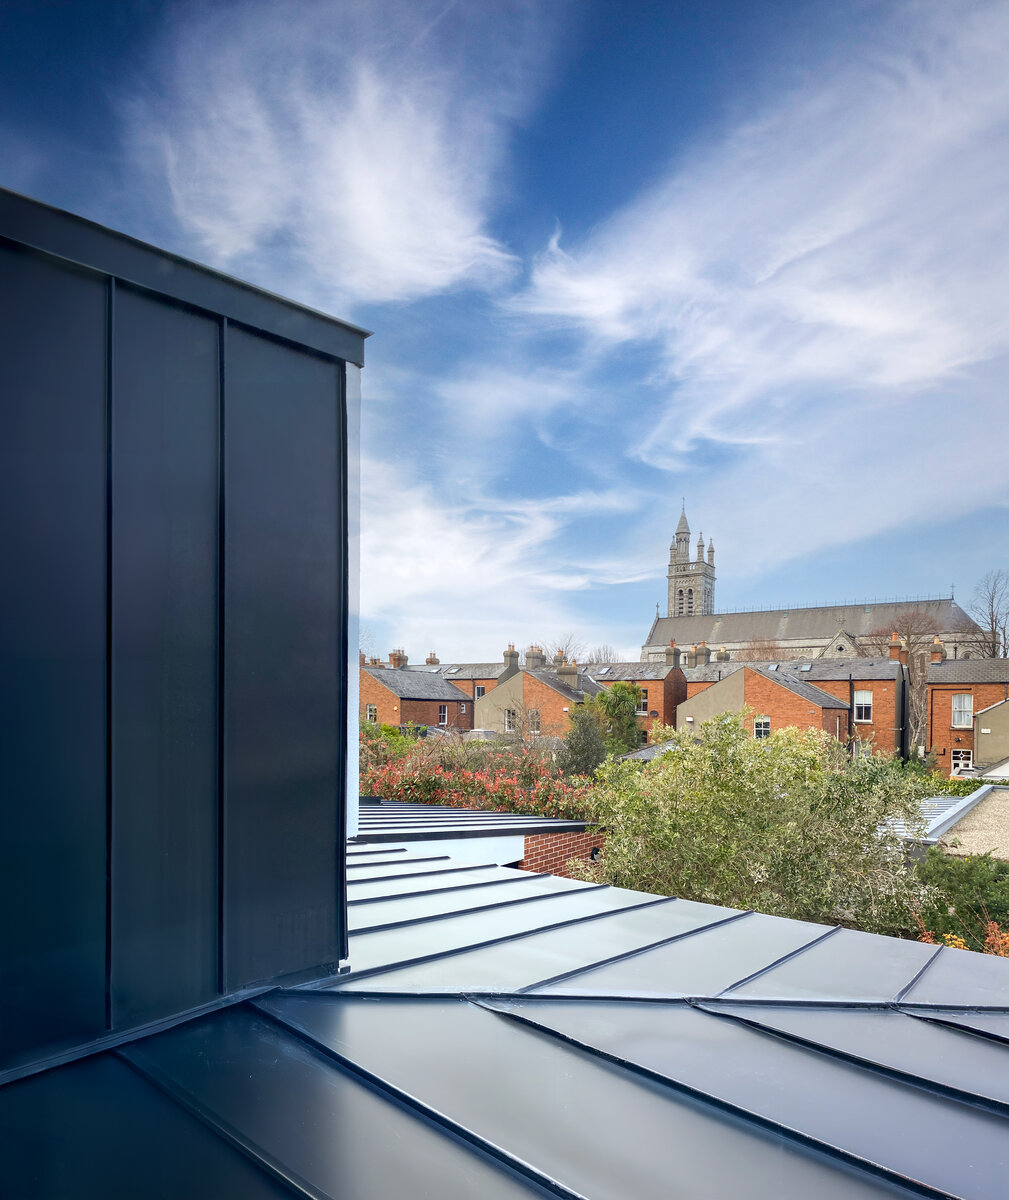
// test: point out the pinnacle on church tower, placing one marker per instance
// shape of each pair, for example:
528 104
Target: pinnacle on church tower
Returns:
691 584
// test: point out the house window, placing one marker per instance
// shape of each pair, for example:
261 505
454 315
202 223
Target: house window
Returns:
863 706
442 714
961 760
478 691
509 720
642 702
963 710
371 713
534 721
762 727
462 708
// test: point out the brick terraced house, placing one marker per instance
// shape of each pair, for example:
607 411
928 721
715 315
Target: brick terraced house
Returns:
957 690
873 691
390 696
776 699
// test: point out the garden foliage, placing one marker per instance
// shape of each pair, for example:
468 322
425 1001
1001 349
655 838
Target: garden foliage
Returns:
788 825
966 898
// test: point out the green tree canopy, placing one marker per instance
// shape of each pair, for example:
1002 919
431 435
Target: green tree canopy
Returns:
584 748
617 708
787 825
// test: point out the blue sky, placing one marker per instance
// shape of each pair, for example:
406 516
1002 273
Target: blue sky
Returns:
614 254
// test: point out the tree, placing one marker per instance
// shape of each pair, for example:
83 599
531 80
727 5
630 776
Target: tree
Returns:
603 654
916 631
567 644
762 649
990 608
788 825
617 707
584 748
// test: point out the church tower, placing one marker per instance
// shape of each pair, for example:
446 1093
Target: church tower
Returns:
691 583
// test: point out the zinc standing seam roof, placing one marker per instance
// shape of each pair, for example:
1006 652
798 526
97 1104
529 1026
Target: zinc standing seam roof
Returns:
502 1034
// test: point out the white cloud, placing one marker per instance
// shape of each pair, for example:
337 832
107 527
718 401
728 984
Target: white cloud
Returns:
460 578
822 294
345 151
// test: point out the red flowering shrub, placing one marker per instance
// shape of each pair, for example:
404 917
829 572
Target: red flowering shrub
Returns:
473 775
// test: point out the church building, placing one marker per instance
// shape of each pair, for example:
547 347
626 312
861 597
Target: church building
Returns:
821 631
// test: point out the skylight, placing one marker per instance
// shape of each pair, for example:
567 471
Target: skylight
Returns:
603 671
451 670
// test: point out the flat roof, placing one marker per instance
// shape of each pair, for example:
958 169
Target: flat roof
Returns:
395 821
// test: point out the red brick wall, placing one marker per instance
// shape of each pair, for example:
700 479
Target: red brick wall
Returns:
784 708
469 685
882 730
939 732
696 686
393 711
552 851
551 705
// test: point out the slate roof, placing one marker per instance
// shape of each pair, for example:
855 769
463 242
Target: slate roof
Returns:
586 685
626 672
796 624
506 1035
810 670
394 821
970 670
452 671
414 685
808 691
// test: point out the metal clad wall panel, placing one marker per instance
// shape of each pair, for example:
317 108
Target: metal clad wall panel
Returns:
284 659
164 659
52 674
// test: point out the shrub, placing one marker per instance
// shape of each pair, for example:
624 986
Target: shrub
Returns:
966 897
787 825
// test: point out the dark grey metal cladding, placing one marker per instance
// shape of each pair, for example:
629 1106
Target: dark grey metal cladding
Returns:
97 1129
962 979
541 954
165 420
52 674
701 964
80 241
284 659
924 1139
597 1129
292 1107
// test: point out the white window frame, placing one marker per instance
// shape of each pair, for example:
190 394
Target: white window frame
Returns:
371 713
966 718
534 721
509 720
462 707
478 691
960 760
642 709
443 714
863 701
761 728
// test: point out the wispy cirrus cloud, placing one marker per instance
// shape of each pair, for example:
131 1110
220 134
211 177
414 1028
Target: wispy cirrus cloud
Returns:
353 150
847 239
820 291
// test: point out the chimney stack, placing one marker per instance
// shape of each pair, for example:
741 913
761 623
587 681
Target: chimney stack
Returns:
703 654
723 655
567 672
511 662
672 655
535 658
432 659
938 650
692 657
558 658
398 659
894 647
364 659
